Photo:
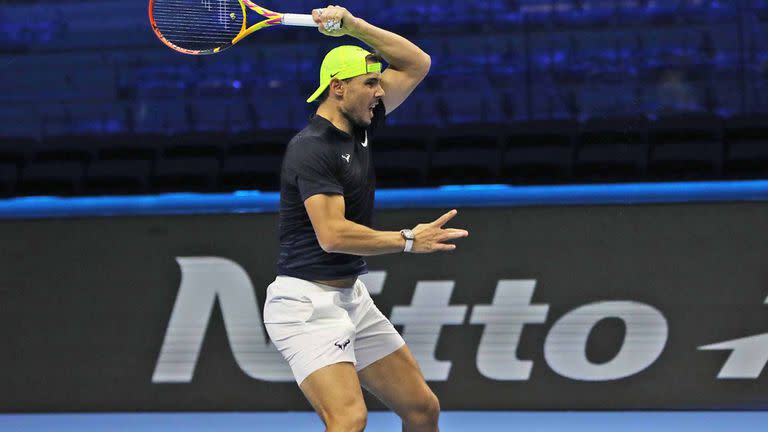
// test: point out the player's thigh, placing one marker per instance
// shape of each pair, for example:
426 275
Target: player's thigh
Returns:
334 392
397 381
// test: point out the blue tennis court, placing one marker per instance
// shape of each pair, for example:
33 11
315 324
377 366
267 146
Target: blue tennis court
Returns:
456 421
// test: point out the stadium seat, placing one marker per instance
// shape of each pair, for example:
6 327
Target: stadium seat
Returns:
189 162
51 178
8 178
14 150
467 154
123 164
117 177
612 149
685 147
253 161
56 166
495 62
221 115
11 157
538 151
746 140
470 107
159 116
401 157
419 110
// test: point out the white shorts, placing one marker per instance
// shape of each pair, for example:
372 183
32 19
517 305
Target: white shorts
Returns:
315 325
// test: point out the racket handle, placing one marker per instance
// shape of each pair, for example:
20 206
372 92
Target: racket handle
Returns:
301 20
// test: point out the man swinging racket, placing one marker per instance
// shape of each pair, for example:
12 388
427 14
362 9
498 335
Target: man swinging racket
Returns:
318 313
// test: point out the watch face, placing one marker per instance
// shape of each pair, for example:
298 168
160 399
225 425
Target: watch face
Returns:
407 234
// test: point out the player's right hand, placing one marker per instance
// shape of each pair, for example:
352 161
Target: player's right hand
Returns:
334 21
431 237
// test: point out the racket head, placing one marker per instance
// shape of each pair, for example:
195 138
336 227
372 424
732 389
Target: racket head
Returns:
197 27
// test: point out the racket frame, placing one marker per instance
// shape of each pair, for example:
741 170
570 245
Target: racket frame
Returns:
272 19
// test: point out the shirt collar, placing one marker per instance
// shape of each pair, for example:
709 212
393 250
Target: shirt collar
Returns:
325 125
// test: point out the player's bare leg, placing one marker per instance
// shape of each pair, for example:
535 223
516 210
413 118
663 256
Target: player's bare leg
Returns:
335 394
397 381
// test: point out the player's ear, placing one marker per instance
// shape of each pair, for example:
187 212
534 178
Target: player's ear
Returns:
337 87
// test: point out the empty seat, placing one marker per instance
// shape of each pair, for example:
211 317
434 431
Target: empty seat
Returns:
401 156
109 177
8 178
18 120
124 164
278 108
538 151
685 147
189 162
160 116
469 154
51 178
612 149
131 147
185 175
56 165
73 148
14 150
220 114
468 105
746 140
417 110
254 162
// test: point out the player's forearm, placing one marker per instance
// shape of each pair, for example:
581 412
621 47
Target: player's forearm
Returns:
399 52
354 239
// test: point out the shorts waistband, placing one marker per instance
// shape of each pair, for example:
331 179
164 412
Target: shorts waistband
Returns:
349 292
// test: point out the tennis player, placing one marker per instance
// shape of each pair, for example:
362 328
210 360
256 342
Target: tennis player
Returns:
318 313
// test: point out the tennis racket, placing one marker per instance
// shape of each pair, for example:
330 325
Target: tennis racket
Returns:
199 27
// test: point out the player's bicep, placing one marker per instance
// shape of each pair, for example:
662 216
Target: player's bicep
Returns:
325 212
398 85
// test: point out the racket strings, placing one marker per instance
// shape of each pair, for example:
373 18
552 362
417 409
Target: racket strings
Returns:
198 24
203 21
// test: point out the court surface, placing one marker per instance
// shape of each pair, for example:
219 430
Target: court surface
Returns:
482 421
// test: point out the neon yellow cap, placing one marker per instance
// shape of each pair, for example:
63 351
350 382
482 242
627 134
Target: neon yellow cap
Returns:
343 62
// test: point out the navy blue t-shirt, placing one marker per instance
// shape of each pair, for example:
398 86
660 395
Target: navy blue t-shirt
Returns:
322 159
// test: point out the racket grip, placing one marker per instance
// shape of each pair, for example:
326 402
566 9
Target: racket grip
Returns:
301 20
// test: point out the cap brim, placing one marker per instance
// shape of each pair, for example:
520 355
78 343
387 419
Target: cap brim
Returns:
317 93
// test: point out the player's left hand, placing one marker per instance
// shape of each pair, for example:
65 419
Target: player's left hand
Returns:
334 21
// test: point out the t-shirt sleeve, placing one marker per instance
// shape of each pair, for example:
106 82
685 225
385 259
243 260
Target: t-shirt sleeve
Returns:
313 170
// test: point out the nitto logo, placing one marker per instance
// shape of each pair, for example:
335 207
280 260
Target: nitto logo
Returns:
748 356
208 279
504 319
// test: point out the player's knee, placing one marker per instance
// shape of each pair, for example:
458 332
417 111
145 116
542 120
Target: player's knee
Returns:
351 420
426 412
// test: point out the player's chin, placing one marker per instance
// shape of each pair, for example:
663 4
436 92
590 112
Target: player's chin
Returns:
365 120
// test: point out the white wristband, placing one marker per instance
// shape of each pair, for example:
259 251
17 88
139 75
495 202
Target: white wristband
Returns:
409 237
408 245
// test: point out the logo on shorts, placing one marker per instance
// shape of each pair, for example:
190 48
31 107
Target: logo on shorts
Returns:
346 157
342 345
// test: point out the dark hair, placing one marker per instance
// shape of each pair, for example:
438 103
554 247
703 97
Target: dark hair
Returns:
374 58
324 95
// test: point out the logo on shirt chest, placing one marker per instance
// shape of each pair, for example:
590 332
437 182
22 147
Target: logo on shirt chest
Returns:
346 157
